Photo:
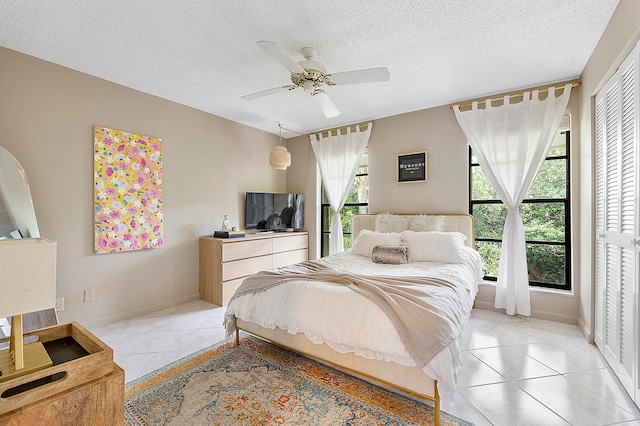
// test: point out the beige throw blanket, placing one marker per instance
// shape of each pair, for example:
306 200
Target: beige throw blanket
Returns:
428 313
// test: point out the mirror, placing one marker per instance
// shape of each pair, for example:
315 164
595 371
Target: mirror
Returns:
18 220
17 215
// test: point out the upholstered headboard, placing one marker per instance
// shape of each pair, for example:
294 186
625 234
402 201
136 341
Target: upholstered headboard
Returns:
462 223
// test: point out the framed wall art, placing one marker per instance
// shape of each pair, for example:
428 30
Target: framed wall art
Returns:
412 167
127 191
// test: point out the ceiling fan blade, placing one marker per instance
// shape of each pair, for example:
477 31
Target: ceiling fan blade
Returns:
326 105
268 92
281 56
361 76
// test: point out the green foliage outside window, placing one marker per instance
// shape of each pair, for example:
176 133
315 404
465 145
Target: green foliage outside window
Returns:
543 214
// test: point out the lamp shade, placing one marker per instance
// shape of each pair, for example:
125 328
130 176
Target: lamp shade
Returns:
280 158
27 275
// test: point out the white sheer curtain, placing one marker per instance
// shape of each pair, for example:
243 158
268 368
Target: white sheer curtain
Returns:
511 142
338 158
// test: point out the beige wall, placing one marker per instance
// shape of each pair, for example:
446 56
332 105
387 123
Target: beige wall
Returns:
47 113
303 176
436 131
619 38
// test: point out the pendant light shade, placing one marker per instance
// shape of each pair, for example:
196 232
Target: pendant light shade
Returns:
279 157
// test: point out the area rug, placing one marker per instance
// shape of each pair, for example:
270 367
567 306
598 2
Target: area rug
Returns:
257 383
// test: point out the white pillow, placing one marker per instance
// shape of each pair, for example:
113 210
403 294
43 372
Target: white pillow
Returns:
426 223
446 247
387 222
367 240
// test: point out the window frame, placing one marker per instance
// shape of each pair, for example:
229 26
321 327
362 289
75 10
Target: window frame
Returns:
566 201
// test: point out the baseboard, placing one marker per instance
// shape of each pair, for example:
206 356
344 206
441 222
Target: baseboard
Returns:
586 331
486 306
140 311
554 316
543 315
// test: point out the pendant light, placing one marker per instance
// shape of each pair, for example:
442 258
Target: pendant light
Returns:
279 157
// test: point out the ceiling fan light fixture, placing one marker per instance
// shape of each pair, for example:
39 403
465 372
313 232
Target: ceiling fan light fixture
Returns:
311 74
308 87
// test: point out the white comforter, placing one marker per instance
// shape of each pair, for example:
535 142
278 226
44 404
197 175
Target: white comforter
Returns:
348 322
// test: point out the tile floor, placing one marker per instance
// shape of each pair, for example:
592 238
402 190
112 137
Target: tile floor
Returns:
516 371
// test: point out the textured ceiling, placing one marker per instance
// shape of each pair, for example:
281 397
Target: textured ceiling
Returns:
203 53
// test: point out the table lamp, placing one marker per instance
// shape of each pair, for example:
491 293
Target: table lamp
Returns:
27 284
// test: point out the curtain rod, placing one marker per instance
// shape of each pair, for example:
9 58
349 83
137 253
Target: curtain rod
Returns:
353 127
517 95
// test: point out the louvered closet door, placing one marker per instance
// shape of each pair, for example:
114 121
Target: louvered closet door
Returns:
617 297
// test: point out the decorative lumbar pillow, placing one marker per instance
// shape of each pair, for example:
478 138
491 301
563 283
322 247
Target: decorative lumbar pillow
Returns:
367 240
426 223
390 255
387 222
446 247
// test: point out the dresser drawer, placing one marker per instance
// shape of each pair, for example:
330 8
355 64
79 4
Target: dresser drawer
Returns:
228 288
244 267
290 257
288 243
245 249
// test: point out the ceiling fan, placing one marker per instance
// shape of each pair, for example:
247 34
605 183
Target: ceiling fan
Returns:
311 76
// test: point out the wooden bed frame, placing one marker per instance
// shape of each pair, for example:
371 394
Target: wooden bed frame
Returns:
408 379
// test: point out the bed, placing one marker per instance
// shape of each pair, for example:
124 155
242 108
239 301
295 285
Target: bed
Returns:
287 313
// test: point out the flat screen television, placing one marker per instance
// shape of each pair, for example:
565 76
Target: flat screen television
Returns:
265 211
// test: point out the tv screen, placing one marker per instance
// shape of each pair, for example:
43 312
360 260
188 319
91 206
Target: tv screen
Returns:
274 212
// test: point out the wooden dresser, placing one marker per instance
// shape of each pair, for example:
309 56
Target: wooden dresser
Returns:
225 262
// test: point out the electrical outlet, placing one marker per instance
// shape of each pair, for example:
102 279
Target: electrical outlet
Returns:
60 304
89 295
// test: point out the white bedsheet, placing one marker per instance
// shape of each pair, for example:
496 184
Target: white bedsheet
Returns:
347 321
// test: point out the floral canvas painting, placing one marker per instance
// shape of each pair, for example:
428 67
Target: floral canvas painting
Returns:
127 191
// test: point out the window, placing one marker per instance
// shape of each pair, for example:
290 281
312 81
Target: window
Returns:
545 214
357 203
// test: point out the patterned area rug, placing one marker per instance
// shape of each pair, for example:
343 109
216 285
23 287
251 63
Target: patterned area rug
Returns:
258 384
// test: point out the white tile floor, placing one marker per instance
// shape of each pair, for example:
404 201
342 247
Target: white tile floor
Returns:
516 371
